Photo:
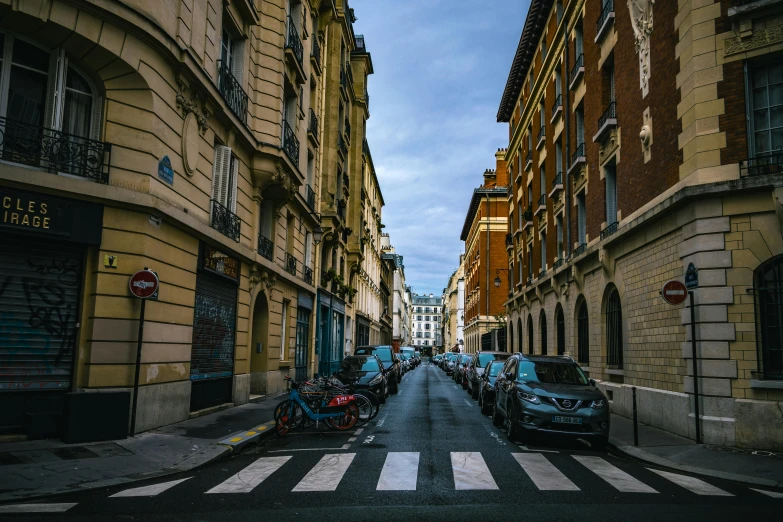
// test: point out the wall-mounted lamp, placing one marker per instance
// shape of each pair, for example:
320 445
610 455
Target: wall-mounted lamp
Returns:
497 276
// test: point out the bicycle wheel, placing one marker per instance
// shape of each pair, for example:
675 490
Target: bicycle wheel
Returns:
289 417
365 409
376 402
347 420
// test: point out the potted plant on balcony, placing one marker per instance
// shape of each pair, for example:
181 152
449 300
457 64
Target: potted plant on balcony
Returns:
330 274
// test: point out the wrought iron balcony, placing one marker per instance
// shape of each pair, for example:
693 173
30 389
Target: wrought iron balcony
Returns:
233 93
558 105
528 215
265 247
307 275
315 52
541 136
607 120
529 280
224 221
578 251
579 154
294 43
542 201
290 143
54 151
509 240
558 181
608 231
763 164
310 197
577 70
542 273
312 125
290 264
607 14
558 263
528 159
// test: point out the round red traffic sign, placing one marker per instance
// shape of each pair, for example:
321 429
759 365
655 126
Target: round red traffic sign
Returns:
674 292
143 284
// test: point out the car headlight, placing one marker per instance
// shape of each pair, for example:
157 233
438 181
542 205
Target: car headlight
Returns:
529 397
600 403
376 380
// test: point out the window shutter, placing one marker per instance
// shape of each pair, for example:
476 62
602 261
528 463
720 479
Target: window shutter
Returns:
58 65
220 173
238 59
580 207
611 197
233 194
96 118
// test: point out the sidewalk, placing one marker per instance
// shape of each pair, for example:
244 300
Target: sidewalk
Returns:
46 467
666 449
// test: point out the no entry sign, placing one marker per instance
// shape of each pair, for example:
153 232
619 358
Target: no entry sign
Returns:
143 284
674 292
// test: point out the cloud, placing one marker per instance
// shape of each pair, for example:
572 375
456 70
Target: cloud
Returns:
440 69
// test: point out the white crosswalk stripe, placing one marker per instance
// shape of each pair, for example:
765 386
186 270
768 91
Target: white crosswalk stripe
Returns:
148 491
616 477
471 472
327 474
400 472
251 476
543 473
37 508
692 484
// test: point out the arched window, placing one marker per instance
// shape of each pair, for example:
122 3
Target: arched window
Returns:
520 335
530 334
583 334
560 329
769 317
510 337
542 320
614 330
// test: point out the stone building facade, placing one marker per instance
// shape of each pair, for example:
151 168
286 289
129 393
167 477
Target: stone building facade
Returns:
426 323
400 295
595 230
454 309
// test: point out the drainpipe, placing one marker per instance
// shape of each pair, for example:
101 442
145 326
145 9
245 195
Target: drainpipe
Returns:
487 264
566 116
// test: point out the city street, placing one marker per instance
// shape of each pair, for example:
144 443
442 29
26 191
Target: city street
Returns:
429 454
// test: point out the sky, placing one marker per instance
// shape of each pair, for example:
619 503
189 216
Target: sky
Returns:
440 70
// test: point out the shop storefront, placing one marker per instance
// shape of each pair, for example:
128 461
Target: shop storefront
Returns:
214 329
331 337
45 241
362 331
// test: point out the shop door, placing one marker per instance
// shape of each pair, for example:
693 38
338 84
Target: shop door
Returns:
39 305
212 355
302 342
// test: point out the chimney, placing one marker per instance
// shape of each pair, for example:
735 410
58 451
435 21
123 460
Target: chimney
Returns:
501 168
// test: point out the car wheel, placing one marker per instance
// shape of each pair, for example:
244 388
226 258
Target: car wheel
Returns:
511 429
599 443
393 390
497 418
474 393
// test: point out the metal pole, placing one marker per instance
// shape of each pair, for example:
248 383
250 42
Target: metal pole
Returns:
635 420
138 368
695 372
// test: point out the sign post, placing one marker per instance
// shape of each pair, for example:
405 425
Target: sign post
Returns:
143 284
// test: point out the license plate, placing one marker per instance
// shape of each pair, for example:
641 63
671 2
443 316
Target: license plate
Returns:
566 420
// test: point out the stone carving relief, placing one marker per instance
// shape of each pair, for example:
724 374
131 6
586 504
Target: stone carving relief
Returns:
759 38
192 104
642 22
261 280
609 146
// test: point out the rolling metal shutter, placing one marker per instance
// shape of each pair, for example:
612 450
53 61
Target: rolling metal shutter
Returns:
39 308
214 324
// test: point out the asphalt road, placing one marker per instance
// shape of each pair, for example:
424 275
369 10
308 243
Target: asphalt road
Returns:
429 455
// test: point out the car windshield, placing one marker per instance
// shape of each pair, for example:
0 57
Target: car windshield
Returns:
494 369
365 364
484 358
551 372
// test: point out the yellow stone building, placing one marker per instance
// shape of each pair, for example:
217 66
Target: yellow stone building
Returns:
187 137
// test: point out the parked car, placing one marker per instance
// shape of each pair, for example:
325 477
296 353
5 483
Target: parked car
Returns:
389 359
476 368
486 385
461 365
436 360
368 372
549 394
406 363
450 363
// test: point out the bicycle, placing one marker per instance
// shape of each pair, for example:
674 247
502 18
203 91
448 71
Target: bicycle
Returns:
340 412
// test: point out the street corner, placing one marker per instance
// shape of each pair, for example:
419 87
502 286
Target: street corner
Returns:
243 439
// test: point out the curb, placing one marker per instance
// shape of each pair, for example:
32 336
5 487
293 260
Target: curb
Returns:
237 442
640 454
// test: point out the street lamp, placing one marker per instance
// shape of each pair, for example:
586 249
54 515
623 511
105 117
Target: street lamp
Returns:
497 276
318 234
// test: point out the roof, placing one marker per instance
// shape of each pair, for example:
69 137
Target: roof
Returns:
535 22
474 203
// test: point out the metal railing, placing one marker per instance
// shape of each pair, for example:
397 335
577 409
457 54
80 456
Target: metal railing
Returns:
558 104
290 143
265 247
310 197
347 131
224 221
578 64
529 157
763 164
307 275
294 43
558 180
608 113
315 52
509 240
54 151
579 152
542 273
558 263
312 124
578 251
541 134
542 200
608 231
233 93
528 214
290 263
605 12
529 280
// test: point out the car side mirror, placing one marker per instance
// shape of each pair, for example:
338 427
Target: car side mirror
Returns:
592 382
510 376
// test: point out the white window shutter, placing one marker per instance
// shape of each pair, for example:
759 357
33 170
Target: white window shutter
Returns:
232 203
96 119
55 96
220 173
238 59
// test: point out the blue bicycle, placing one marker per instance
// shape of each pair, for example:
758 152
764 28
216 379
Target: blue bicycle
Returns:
339 412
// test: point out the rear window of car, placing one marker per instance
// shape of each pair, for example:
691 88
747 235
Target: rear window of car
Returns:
365 364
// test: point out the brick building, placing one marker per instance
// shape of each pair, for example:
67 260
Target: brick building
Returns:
485 258
595 230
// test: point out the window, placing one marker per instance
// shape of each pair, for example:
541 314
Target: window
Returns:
530 194
559 10
578 41
418 318
560 252
614 330
541 115
543 332
610 181
530 334
580 126
308 260
558 82
284 331
427 326
581 219
530 138
426 317
560 329
232 54
418 334
558 158
543 251
426 343
225 171
766 107
542 180
768 281
427 335
543 49
583 334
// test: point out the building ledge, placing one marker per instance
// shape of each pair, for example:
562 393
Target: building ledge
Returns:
766 385
749 7
611 371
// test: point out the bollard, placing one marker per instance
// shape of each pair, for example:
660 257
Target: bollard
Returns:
635 420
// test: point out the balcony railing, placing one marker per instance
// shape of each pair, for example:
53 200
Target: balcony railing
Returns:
604 17
290 264
578 251
529 280
542 273
290 143
224 221
557 105
763 164
54 151
294 43
578 68
578 153
233 93
528 215
265 247
312 125
608 114
541 135
558 180
528 159
558 263
542 201
608 231
307 275
310 197
315 52
509 240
